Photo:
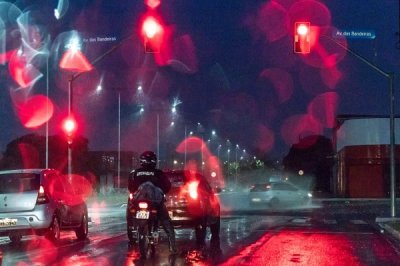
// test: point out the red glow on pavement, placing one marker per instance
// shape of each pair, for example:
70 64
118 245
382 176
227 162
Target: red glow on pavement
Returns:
35 111
299 126
41 258
22 71
381 252
74 60
297 248
323 108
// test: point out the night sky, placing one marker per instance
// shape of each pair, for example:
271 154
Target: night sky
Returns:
230 63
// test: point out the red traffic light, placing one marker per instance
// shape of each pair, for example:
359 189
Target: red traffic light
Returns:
152 31
302 37
69 126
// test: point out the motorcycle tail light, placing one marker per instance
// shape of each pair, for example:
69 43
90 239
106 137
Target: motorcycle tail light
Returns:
192 187
143 205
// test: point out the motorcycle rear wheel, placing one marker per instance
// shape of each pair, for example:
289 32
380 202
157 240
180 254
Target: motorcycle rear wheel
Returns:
144 244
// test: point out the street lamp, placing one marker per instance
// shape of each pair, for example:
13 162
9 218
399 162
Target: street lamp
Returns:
157 111
98 91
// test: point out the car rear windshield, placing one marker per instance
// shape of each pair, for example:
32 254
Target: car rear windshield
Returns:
179 178
19 182
176 179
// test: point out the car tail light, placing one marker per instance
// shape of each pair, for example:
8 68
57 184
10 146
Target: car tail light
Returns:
192 187
130 196
42 197
143 205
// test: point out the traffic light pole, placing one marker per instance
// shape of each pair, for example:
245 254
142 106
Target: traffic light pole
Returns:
69 142
70 101
390 77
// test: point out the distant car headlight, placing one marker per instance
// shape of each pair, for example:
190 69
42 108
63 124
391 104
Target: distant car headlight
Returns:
309 195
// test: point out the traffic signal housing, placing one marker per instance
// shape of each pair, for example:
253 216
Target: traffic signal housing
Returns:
152 32
69 127
302 37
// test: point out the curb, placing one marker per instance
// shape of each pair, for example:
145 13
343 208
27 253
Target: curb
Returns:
390 230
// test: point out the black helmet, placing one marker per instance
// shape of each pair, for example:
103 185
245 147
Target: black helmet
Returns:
148 159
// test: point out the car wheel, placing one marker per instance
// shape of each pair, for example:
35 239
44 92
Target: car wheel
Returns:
200 232
15 239
143 231
54 230
132 233
215 228
82 231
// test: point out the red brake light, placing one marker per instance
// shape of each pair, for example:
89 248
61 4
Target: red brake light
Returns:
192 186
143 205
42 197
130 196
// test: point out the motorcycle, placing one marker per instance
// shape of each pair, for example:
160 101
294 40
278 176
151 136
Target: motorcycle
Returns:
142 225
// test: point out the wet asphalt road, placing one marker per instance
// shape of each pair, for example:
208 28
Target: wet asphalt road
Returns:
324 233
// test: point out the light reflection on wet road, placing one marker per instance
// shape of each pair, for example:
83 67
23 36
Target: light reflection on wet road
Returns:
307 238
108 245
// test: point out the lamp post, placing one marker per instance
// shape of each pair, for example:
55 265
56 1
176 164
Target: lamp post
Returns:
158 139
119 141
218 150
236 163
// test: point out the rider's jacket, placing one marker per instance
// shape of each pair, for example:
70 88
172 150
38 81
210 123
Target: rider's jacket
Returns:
142 175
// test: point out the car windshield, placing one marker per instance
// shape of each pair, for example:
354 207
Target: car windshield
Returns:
19 182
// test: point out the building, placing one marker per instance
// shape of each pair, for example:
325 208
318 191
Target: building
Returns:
362 146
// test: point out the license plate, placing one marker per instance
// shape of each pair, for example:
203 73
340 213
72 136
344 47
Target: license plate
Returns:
255 199
142 215
8 222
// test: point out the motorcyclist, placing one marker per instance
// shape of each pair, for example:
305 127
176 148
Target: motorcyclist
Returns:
148 172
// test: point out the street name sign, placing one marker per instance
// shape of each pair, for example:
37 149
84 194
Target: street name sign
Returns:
354 34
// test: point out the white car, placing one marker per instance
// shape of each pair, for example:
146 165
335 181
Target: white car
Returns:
278 194
41 202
